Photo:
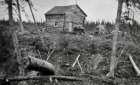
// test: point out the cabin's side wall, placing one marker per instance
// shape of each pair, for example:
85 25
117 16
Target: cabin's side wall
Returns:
55 22
75 16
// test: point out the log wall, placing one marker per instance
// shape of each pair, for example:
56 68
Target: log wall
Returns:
74 15
52 19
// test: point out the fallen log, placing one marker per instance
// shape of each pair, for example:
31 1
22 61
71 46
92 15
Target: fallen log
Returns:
36 64
134 65
22 78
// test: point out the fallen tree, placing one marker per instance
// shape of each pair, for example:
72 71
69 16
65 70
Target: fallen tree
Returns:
36 64
21 78
134 65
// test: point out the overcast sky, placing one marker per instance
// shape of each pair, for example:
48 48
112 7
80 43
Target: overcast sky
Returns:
95 9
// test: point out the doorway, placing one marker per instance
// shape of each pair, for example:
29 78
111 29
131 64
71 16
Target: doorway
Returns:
70 26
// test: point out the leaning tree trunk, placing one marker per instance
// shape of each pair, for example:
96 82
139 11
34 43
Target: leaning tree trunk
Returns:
40 35
134 65
115 40
10 12
20 19
17 51
18 54
14 37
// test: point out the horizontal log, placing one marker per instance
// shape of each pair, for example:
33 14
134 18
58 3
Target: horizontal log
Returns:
36 64
22 78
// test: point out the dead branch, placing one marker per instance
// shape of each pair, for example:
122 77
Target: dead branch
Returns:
134 65
80 67
39 54
76 60
49 55
122 51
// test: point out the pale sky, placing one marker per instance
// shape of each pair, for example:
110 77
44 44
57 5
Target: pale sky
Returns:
95 9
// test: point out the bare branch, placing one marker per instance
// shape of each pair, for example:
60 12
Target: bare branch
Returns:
15 11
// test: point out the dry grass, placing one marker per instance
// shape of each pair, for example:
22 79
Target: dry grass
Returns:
68 46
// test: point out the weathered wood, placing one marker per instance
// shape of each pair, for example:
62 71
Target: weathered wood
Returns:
21 78
96 59
36 64
134 65
74 14
20 19
49 55
76 60
113 62
40 35
10 13
50 21
80 67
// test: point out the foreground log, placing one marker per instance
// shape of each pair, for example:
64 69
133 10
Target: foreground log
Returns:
21 78
36 64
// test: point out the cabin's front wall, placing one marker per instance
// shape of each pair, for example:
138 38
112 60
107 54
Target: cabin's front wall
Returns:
55 22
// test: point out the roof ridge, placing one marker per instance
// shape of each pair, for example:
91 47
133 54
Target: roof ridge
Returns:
62 9
65 5
57 9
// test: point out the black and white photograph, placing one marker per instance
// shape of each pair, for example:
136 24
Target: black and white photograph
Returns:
69 42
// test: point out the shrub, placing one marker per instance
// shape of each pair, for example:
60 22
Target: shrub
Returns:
6 44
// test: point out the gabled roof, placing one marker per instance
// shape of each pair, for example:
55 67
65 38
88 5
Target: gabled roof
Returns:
61 10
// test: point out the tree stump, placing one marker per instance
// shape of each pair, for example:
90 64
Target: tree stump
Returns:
36 64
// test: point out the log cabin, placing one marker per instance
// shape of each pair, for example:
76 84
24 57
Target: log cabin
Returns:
65 18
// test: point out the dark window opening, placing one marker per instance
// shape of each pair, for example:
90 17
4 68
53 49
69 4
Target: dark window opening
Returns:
56 23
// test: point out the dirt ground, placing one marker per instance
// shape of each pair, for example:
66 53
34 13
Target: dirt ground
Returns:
66 49
68 46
